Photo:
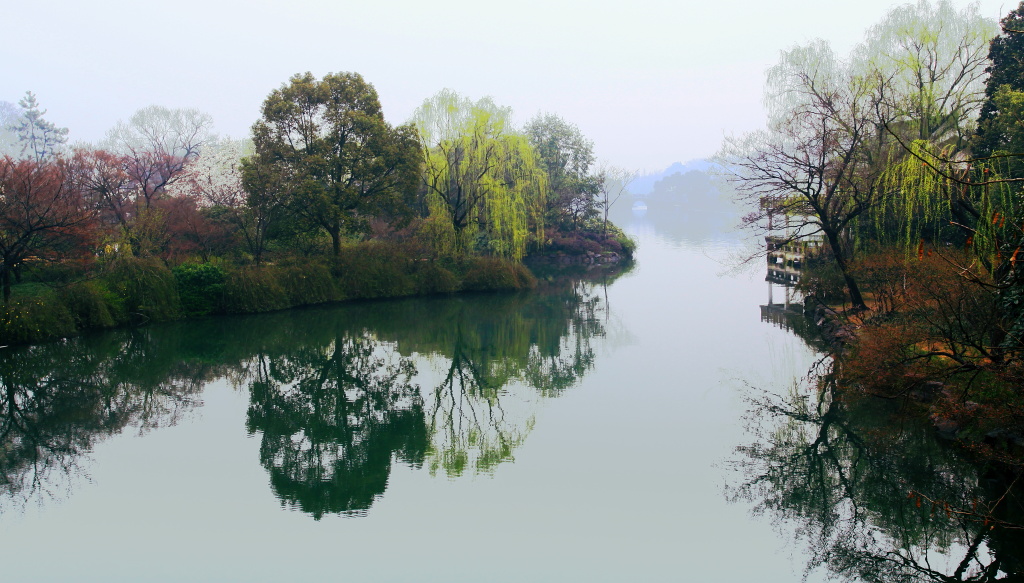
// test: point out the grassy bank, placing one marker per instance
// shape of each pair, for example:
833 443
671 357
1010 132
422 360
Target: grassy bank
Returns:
130 291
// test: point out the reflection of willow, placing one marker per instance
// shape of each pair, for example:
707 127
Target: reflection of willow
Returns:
480 410
466 415
57 400
877 499
332 416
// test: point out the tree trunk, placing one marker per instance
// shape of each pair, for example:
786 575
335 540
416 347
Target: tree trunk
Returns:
856 300
5 278
335 233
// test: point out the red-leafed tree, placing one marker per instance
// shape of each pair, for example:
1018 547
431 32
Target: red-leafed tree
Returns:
192 231
106 185
42 214
146 155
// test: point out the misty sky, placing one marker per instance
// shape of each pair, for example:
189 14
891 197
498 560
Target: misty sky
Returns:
651 82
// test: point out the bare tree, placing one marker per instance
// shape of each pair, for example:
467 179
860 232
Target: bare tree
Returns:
612 184
813 164
157 143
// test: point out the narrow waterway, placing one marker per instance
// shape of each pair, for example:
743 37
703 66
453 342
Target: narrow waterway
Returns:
585 432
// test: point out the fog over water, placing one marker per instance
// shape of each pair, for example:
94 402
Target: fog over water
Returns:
651 82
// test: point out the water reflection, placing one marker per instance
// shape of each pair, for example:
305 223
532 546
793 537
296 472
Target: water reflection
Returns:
336 395
332 417
57 400
874 495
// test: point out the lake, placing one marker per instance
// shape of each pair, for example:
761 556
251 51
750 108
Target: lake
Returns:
651 425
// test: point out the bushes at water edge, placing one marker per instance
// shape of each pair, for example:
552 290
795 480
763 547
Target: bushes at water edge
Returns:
36 318
489 273
132 290
144 289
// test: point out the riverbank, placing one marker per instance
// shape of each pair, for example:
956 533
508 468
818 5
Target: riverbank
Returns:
131 291
881 353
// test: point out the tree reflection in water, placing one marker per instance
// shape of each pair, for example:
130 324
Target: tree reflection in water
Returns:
57 400
332 418
875 496
334 392
503 354
339 399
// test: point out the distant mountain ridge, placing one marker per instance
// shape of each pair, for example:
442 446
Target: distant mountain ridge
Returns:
643 185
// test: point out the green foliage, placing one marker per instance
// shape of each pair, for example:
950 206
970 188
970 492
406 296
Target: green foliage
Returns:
566 156
307 283
482 176
374 270
938 204
324 146
824 281
433 278
1004 132
493 274
1006 70
90 303
200 287
626 243
34 319
253 289
146 290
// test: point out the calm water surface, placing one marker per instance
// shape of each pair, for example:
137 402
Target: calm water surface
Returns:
596 430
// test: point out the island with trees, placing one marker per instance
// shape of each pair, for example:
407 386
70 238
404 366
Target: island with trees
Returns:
326 201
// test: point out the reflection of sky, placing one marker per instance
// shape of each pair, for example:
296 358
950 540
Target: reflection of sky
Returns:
617 481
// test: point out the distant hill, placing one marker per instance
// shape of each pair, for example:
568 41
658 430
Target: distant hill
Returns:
643 185
691 197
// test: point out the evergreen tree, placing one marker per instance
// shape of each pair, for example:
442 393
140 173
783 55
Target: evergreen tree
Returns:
1005 78
38 137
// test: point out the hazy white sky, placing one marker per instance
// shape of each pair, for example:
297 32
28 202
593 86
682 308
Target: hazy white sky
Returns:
651 82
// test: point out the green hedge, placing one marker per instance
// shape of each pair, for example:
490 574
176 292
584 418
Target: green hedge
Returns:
489 273
200 288
254 289
145 290
134 290
33 319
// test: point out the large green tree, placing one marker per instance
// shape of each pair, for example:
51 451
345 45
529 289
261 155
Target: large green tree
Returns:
567 156
337 160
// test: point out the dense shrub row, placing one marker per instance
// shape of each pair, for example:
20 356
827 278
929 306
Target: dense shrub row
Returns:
133 291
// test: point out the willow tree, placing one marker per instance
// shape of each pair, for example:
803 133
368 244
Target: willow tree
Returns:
929 65
932 59
482 178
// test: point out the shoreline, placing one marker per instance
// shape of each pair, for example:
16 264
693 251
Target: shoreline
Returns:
137 292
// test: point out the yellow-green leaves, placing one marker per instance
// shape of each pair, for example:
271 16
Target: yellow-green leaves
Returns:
481 175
